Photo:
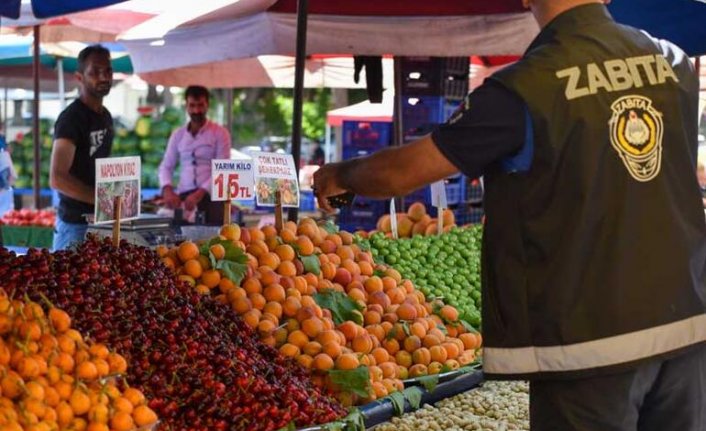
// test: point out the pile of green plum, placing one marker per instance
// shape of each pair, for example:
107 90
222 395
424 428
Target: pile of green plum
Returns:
445 266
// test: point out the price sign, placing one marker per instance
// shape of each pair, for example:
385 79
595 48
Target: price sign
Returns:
232 178
273 173
117 176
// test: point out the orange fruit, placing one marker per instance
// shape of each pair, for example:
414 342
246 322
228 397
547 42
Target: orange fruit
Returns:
332 349
285 252
258 301
241 305
59 319
289 350
406 311
305 361
312 326
287 269
362 344
122 421
193 268
380 354
449 313
312 348
412 343
187 251
347 361
322 362
275 292
392 346
274 308
231 232
211 278
403 358
291 306
431 340
438 354
80 402
388 368
421 356
144 416
252 318
298 338
306 247
270 260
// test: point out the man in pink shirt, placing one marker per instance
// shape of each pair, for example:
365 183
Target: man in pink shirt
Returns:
193 146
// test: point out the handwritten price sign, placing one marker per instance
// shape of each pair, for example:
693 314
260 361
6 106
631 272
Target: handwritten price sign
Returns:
235 176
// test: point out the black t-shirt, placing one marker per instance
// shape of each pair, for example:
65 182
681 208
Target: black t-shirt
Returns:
488 127
92 133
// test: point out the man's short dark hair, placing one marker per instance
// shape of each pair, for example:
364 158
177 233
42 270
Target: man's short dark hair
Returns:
197 92
87 52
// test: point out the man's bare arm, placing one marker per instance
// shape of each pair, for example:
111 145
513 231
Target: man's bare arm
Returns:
60 179
391 172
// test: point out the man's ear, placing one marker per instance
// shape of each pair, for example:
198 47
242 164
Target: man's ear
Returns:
527 3
79 76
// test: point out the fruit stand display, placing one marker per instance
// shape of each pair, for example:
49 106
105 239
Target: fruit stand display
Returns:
317 297
27 228
441 266
256 328
494 406
54 379
23 155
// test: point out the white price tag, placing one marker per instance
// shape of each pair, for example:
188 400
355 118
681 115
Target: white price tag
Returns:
438 194
234 176
393 219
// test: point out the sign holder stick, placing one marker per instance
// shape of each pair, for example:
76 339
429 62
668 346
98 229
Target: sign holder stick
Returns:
117 214
279 223
226 207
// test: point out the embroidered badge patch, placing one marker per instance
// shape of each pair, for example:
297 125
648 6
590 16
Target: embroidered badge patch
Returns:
636 134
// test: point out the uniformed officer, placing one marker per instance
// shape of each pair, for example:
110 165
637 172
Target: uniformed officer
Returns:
594 254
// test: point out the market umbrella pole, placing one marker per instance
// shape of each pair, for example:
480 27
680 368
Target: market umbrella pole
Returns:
35 117
300 63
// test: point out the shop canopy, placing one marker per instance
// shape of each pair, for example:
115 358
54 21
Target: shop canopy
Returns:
49 8
225 30
268 71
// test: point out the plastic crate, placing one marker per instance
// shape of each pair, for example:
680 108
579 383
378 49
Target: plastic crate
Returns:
420 115
474 191
435 76
366 134
307 201
363 214
468 215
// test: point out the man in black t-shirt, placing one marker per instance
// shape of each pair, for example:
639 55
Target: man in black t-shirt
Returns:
82 133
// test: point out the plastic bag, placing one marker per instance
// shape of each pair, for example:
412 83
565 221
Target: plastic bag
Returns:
7 171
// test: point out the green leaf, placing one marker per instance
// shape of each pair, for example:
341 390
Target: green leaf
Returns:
442 328
392 333
429 382
405 328
355 421
290 427
469 327
379 273
233 271
233 252
203 248
342 307
356 381
397 400
212 259
311 264
413 395
330 227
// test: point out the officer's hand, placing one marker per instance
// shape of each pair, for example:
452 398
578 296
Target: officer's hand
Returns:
171 199
193 199
327 184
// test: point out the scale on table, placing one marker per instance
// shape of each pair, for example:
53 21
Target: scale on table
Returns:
149 230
